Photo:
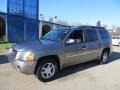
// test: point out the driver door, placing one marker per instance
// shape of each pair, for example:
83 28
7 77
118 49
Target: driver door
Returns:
75 51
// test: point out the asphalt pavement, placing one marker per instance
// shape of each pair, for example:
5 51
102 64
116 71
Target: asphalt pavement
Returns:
86 76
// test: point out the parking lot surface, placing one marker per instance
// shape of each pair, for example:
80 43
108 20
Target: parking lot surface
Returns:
87 76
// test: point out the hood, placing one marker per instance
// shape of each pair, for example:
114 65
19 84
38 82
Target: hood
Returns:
28 46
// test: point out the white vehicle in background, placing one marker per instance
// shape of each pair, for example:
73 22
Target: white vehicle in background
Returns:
116 40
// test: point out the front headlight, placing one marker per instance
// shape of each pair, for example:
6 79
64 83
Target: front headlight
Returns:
28 56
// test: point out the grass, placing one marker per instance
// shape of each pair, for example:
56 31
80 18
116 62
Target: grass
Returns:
6 45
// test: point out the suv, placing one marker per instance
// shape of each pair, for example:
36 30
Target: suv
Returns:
61 48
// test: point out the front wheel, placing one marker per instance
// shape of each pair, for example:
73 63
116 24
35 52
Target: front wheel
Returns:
47 70
104 57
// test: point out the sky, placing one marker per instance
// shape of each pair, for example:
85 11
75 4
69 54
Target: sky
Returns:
80 11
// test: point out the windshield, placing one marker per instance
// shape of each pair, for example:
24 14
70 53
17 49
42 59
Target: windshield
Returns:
56 35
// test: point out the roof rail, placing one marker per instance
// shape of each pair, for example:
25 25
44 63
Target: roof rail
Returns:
90 27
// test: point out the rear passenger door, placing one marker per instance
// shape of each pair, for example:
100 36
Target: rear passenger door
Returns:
94 44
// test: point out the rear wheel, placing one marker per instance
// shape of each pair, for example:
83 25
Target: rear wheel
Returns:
104 57
47 70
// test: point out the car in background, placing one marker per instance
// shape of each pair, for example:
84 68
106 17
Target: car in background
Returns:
116 40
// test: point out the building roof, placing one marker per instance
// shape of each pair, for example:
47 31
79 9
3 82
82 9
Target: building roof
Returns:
55 23
3 13
41 21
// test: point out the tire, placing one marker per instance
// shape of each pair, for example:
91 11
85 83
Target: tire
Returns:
104 57
47 70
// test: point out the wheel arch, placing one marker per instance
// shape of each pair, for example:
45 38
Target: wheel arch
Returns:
106 49
55 57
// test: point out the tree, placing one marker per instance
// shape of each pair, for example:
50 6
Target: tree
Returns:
105 26
98 24
62 22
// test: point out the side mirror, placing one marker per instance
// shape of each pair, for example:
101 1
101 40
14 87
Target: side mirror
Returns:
70 41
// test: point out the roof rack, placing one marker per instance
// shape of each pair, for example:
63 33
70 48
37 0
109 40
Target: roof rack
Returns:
90 27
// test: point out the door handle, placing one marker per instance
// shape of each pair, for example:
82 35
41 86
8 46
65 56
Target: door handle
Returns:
84 47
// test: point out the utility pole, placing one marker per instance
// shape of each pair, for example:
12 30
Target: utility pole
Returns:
41 25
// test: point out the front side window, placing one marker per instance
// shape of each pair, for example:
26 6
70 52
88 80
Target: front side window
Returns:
116 38
77 35
91 35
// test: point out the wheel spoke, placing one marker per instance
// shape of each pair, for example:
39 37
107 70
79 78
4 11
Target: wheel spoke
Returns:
47 75
43 71
49 65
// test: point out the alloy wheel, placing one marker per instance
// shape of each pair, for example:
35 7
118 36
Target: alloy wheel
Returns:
104 57
47 70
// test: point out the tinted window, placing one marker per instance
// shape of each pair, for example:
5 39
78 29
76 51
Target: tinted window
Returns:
77 35
91 36
104 34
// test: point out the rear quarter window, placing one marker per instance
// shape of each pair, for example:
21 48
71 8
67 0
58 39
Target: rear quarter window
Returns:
104 34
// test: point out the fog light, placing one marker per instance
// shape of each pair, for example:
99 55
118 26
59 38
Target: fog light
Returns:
18 68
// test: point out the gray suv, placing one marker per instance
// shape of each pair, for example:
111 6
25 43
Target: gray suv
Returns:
61 48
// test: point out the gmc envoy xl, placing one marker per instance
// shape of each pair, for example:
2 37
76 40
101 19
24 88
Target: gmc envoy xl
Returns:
60 48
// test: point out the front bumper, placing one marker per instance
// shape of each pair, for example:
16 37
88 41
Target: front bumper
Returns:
26 67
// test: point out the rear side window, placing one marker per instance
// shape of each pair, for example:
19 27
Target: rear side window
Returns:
104 34
91 35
